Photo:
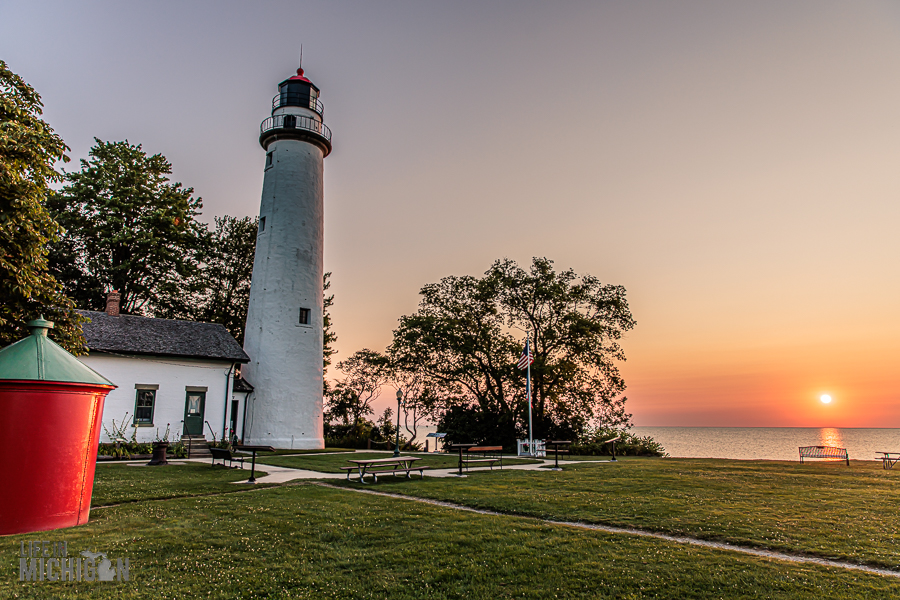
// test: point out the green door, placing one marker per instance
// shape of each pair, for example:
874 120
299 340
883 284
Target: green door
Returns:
193 413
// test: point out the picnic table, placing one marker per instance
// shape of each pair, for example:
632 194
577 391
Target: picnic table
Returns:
556 444
889 459
254 450
613 442
384 466
461 447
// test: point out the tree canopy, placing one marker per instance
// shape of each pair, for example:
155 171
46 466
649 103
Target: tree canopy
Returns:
468 334
329 336
364 373
128 228
218 288
29 150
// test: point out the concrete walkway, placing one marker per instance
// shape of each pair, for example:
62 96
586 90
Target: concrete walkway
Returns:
275 474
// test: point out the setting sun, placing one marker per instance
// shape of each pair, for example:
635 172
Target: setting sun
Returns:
825 398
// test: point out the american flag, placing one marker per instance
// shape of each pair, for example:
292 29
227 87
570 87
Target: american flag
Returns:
526 359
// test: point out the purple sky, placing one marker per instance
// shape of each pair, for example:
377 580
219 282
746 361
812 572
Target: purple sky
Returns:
734 165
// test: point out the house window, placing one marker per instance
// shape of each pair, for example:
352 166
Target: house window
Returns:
143 407
304 316
269 159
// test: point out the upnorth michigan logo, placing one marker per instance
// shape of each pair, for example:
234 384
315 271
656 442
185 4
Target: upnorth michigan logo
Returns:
50 561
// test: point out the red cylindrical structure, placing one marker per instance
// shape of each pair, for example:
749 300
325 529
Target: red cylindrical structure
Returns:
50 431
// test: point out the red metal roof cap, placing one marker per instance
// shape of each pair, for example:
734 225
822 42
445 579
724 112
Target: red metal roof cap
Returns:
299 76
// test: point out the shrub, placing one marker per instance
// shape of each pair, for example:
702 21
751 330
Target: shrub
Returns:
592 443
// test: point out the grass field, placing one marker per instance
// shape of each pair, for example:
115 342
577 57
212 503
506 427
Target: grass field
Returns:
310 542
209 538
332 463
114 484
822 509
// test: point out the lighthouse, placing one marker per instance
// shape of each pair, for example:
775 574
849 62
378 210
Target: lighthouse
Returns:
283 336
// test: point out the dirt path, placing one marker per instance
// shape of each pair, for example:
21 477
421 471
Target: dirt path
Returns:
794 558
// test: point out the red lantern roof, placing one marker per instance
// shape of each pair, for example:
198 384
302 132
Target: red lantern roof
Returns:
299 76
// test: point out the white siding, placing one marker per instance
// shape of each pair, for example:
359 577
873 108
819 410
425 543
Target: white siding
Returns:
173 376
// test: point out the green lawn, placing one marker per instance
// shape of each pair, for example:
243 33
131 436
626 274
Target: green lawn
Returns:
312 542
333 463
823 509
114 484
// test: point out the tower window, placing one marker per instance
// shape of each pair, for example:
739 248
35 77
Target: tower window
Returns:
262 224
304 316
269 159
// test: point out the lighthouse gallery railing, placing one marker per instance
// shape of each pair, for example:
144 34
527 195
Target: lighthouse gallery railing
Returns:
295 99
295 122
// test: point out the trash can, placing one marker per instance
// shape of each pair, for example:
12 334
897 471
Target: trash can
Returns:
51 407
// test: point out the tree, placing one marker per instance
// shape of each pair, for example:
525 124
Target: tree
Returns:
576 324
349 401
127 228
461 339
458 340
329 337
419 399
218 290
28 152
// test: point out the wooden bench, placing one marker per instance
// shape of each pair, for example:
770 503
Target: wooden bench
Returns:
484 451
826 452
223 455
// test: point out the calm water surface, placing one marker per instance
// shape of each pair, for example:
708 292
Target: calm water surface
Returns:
769 443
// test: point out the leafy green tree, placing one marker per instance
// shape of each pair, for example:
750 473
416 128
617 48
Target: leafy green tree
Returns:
218 290
28 152
575 325
419 399
459 341
462 340
349 401
329 337
127 228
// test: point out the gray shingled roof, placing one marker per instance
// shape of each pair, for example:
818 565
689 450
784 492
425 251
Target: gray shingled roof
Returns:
129 334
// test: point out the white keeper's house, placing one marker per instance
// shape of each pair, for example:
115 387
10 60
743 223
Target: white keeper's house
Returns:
176 374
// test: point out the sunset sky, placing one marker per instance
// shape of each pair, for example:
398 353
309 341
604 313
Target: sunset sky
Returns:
736 166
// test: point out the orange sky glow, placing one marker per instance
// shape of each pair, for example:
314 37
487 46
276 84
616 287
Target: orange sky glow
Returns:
733 165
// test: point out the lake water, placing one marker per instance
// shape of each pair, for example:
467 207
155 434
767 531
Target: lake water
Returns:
769 443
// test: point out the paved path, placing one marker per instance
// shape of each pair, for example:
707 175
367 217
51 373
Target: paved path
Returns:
285 474
276 474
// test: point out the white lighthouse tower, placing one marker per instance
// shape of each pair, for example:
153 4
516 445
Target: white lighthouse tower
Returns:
284 324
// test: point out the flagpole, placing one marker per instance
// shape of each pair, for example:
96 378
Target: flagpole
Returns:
528 393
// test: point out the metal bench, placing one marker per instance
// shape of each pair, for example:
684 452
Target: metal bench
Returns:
826 452
223 455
